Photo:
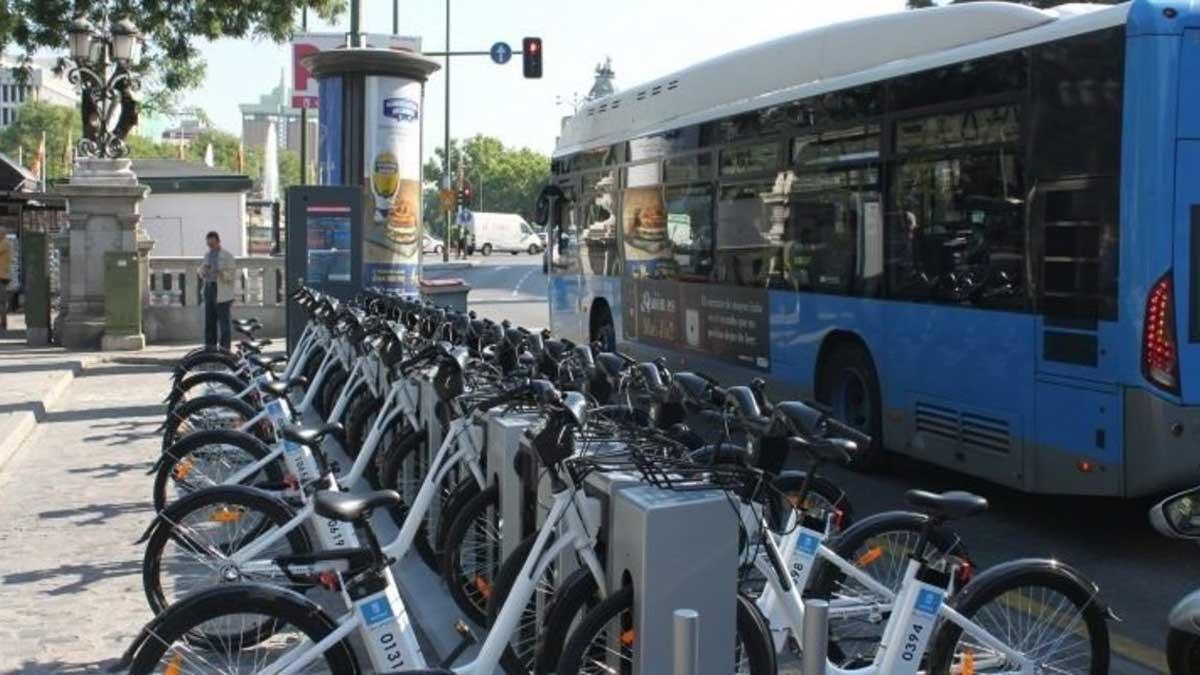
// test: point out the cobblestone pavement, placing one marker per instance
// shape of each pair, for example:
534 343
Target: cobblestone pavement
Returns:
72 502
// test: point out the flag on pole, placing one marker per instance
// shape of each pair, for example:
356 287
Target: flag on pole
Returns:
241 157
67 158
208 156
39 161
181 155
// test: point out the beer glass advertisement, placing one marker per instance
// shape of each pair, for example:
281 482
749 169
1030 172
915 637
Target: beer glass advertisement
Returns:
727 322
393 155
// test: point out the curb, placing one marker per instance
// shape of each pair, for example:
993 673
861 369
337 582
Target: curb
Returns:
450 266
13 435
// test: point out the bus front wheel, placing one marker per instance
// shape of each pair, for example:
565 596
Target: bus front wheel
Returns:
848 384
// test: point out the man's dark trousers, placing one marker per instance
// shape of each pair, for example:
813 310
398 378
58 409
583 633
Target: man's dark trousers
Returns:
217 327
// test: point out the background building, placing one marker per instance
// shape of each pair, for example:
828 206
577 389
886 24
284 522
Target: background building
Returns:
186 201
40 84
274 107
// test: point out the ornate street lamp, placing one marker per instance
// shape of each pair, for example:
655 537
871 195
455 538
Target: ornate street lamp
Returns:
103 72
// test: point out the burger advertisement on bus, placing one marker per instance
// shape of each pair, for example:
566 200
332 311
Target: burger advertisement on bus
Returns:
393 143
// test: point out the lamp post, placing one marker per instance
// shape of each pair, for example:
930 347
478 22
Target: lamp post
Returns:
103 72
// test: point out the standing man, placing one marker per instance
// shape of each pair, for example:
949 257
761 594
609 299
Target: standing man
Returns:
6 251
217 273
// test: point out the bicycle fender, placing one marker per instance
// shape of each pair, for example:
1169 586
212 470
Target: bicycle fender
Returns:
1012 568
180 506
273 596
1185 615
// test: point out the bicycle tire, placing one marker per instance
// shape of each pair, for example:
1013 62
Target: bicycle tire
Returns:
313 363
400 452
577 595
242 599
230 381
207 360
992 586
176 418
457 499
331 389
1183 652
521 659
752 634
470 589
825 578
176 456
358 422
167 529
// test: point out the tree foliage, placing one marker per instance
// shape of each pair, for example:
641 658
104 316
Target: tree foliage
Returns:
504 179
173 30
60 124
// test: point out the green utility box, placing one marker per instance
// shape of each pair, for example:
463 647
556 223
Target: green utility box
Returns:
35 267
122 299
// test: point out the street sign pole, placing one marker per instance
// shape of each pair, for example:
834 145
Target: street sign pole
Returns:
446 146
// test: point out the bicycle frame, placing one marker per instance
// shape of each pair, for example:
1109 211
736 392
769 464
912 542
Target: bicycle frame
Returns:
381 619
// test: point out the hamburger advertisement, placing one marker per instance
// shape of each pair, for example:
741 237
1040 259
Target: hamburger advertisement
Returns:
393 156
647 246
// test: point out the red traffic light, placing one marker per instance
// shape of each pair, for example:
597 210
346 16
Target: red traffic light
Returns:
531 56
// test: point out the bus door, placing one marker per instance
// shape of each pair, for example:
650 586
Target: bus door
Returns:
565 286
1077 402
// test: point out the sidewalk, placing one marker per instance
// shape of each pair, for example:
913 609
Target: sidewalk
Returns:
73 499
32 379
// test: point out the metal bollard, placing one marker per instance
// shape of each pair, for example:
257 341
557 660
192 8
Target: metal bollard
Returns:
687 642
816 636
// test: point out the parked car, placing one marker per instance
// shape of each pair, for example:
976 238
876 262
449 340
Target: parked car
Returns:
503 232
432 244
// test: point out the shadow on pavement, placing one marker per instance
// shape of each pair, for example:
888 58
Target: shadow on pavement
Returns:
111 470
120 433
86 575
156 410
61 667
124 369
97 514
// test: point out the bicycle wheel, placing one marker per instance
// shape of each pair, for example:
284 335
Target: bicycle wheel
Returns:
879 546
205 412
521 654
213 359
1040 613
207 459
471 553
362 414
207 634
191 548
401 472
313 364
331 389
575 597
456 501
606 639
213 383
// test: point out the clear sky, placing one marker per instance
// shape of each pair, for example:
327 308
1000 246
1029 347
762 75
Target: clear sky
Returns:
645 38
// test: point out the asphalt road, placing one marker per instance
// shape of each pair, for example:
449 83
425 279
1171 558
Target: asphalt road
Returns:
1141 575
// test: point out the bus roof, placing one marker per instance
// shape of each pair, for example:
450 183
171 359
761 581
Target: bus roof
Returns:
825 59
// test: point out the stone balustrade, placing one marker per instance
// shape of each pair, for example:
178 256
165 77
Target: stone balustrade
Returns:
173 307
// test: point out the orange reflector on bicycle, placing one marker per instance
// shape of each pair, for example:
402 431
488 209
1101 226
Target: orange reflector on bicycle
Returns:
227 515
627 638
874 553
482 585
183 468
968 663
173 667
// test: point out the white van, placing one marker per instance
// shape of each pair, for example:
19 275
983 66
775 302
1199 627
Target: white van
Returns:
503 232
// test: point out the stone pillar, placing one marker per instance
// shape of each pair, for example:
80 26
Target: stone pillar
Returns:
104 211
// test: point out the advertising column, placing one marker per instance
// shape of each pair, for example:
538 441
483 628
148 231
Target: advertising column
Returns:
392 135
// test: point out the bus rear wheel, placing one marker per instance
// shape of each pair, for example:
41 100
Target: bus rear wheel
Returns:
848 384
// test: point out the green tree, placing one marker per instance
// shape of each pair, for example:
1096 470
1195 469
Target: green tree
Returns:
504 179
25 135
173 30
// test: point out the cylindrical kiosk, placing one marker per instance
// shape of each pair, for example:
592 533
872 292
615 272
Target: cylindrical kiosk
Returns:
370 138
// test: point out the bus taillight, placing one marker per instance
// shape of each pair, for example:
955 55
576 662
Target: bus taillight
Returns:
1160 359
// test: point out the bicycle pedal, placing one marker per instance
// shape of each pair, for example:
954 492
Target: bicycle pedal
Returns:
464 631
468 638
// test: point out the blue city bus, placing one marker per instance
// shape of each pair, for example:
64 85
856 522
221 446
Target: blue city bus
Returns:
971 230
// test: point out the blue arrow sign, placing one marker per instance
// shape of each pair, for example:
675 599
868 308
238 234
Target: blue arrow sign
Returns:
501 53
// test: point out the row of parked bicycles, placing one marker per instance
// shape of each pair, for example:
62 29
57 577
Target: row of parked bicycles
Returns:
265 556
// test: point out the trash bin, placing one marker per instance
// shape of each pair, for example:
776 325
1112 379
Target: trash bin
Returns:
448 293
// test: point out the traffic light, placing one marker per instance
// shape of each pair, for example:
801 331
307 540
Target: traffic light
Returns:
531 56
464 194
